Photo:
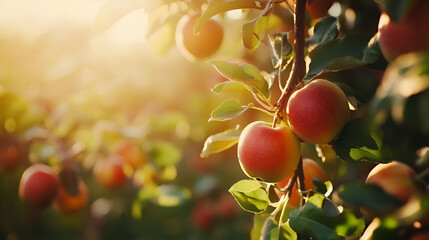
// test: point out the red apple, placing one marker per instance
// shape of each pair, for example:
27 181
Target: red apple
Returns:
131 153
409 34
110 172
203 216
202 45
266 153
318 112
319 8
10 156
311 170
39 185
67 203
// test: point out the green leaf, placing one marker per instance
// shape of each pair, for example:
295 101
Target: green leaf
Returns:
112 11
348 52
220 6
370 196
271 231
324 31
171 195
165 153
252 32
228 86
258 224
281 49
245 73
221 141
228 110
250 195
312 221
360 140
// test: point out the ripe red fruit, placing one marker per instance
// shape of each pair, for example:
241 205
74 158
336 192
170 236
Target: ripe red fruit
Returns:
318 112
319 8
203 216
39 185
10 156
206 43
395 178
266 153
110 172
311 170
67 203
409 34
226 206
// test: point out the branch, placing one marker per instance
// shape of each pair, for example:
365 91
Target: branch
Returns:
298 70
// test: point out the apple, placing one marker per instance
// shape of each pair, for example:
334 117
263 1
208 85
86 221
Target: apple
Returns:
409 34
10 156
131 153
319 8
201 45
394 178
110 172
39 185
203 216
226 206
267 153
318 112
66 203
311 170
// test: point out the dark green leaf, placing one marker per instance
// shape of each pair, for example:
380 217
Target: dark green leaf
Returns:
360 140
348 52
370 196
281 49
220 6
324 31
312 221
228 110
245 73
221 141
250 195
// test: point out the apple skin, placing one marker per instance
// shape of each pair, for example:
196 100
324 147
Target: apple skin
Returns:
409 34
318 112
394 178
39 185
110 172
66 203
266 153
202 45
319 8
131 153
311 170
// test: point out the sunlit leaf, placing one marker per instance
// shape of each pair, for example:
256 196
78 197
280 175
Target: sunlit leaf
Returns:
258 224
271 231
228 86
370 196
252 32
220 6
324 31
250 195
165 153
347 52
171 195
360 140
221 141
281 49
112 11
245 73
227 110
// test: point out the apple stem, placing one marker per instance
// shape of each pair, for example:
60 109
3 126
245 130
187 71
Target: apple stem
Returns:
298 69
300 182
